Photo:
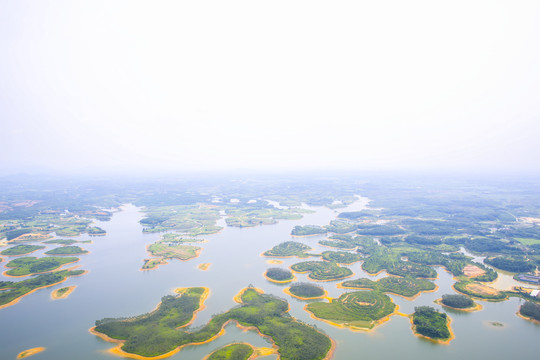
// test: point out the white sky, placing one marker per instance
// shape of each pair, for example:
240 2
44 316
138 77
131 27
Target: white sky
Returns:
191 85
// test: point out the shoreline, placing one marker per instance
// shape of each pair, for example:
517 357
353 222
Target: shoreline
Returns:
117 350
476 307
14 301
534 321
202 306
323 296
437 341
30 352
55 296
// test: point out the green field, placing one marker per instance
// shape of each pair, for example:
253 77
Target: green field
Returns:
67 250
32 265
288 248
182 252
322 270
407 287
360 309
21 250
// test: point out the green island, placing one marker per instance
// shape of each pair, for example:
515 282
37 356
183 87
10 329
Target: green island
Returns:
96 231
279 275
170 251
67 250
341 257
338 244
306 291
458 302
288 248
356 310
393 265
150 264
530 311
193 219
179 238
407 287
12 291
307 230
322 270
477 290
21 250
164 331
60 241
231 352
340 227
247 215
32 265
431 324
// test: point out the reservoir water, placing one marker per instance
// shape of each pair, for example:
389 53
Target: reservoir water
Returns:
115 287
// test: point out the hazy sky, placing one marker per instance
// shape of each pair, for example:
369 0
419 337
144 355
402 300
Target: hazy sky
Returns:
183 85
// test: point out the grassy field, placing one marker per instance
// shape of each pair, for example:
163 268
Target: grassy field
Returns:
182 252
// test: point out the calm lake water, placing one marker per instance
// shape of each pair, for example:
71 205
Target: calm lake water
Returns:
115 287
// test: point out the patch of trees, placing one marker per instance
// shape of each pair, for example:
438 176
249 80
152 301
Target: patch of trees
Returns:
512 264
308 230
340 227
530 309
288 248
430 323
322 270
21 249
432 227
157 333
422 240
379 230
487 245
67 250
341 257
232 352
306 290
457 301
354 215
279 274
12 234
32 265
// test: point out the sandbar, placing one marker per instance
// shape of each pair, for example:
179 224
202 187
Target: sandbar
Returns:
204 266
274 261
30 352
55 296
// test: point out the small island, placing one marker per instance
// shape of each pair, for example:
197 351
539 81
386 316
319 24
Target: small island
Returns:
30 352
96 231
431 324
163 331
60 241
308 230
322 270
288 249
67 250
341 257
279 275
238 351
31 265
62 293
305 291
153 263
458 302
13 291
21 250
204 266
359 310
407 287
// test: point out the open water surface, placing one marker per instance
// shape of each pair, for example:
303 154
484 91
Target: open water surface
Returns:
115 287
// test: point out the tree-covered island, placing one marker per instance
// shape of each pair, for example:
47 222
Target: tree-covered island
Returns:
431 324
164 331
